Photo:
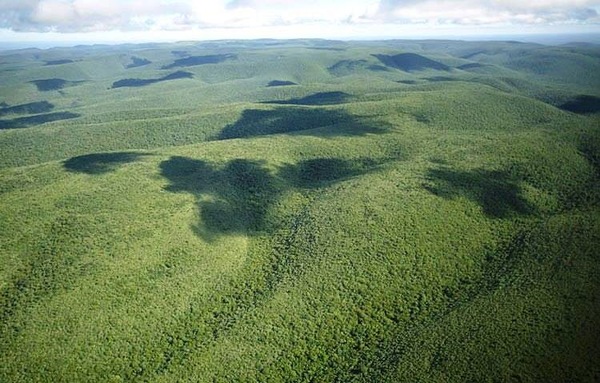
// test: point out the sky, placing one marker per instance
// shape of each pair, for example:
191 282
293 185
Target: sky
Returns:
105 21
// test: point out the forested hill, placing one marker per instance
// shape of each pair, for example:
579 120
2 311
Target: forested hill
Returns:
300 210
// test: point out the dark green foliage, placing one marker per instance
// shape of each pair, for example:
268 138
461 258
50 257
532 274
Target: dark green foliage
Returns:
346 67
536 261
327 49
200 60
136 82
26 122
590 147
238 298
48 273
243 191
137 62
100 163
582 104
50 84
177 75
58 62
377 68
258 122
30 108
441 79
473 54
48 270
180 53
499 195
470 66
321 171
410 62
458 244
280 83
246 192
321 98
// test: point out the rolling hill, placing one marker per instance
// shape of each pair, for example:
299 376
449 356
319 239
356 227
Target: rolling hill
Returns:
300 210
409 62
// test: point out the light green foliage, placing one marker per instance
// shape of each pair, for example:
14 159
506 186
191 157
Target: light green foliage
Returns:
350 228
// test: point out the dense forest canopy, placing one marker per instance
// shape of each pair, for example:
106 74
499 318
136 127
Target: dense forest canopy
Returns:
300 210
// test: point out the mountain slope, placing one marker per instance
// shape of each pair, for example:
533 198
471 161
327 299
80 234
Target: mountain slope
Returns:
426 231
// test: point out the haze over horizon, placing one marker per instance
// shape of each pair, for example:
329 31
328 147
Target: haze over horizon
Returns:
65 22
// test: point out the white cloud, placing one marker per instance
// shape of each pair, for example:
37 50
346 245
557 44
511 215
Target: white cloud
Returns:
53 12
87 15
324 17
486 12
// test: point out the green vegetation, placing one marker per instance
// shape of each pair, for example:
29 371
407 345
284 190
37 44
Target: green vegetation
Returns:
137 82
58 62
138 62
25 122
281 83
583 104
410 62
321 98
29 108
199 60
370 223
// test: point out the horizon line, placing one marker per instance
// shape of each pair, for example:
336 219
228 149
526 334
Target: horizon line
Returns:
543 38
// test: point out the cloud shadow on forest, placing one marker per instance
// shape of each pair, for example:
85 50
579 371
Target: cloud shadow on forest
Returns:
50 84
320 98
236 197
276 83
26 122
138 82
315 173
582 104
259 122
410 62
499 194
58 62
100 163
199 60
137 62
29 108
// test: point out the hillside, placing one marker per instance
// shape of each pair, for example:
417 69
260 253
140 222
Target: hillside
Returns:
300 210
410 62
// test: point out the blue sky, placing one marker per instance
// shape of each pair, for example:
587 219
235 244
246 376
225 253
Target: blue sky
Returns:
172 20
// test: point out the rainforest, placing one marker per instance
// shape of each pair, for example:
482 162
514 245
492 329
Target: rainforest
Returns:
300 211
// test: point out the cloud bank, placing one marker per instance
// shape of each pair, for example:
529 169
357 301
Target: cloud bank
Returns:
77 16
490 12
